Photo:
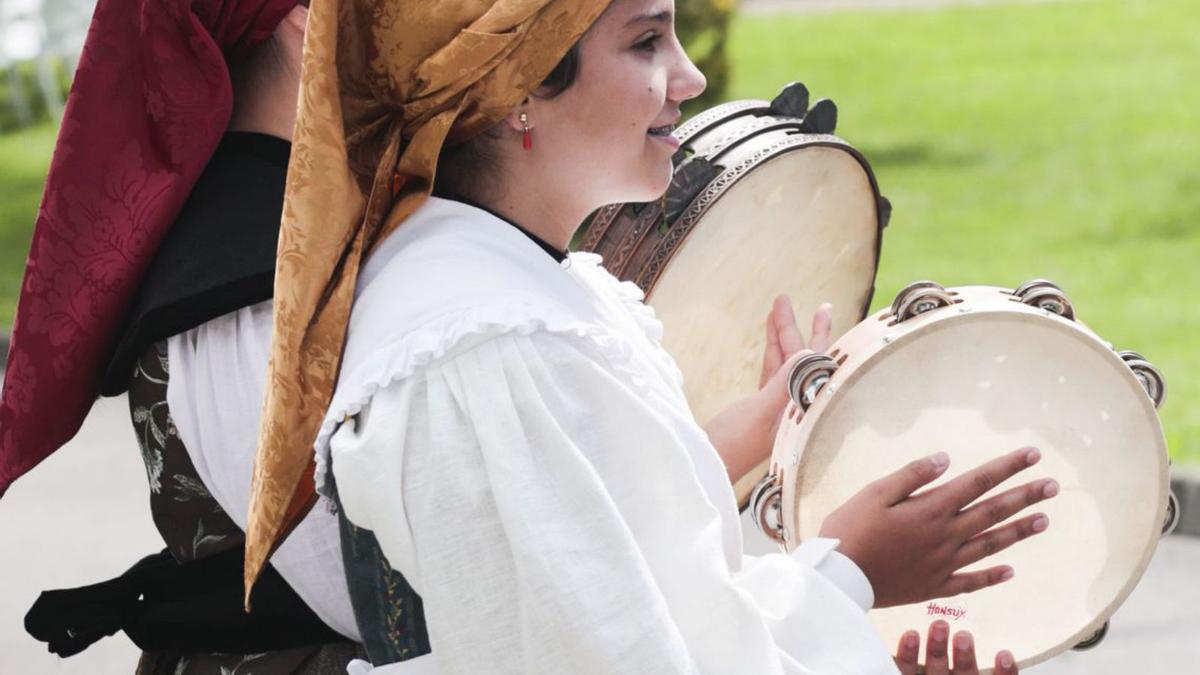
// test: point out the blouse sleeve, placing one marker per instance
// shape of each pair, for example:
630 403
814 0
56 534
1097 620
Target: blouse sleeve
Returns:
553 522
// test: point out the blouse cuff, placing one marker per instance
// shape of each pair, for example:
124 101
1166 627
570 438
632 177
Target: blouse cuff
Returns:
420 665
820 554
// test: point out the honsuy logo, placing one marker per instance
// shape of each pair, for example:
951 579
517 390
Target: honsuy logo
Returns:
955 613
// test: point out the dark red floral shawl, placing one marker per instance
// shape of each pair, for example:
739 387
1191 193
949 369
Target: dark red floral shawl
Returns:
150 101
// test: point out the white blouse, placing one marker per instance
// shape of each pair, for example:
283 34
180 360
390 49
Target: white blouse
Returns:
518 440
215 393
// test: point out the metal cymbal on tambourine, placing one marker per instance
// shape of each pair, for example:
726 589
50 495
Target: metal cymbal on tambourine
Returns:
976 371
764 200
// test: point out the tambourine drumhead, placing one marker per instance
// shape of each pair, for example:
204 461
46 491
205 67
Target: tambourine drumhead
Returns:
803 225
805 222
977 379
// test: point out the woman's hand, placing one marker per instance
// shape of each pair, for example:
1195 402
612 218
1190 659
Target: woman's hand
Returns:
937 653
744 433
912 546
784 340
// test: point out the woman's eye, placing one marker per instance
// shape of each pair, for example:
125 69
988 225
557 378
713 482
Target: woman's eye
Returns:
649 44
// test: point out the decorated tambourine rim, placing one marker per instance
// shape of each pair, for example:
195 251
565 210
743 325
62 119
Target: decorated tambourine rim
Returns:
701 177
818 380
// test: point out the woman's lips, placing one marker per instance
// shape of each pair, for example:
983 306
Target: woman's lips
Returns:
663 134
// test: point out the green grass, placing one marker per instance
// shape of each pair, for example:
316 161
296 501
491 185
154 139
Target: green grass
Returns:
24 159
1056 140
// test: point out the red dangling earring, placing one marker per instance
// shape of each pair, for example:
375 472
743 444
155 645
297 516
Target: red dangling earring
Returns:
527 139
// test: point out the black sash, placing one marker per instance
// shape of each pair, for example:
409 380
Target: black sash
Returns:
163 605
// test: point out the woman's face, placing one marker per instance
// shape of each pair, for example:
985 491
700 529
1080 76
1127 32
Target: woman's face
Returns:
607 137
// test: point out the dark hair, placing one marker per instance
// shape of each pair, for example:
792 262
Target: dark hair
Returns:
461 167
563 76
264 62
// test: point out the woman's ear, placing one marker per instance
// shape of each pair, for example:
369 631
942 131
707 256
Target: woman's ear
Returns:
513 119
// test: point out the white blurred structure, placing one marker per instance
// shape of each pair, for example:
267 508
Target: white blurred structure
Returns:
45 32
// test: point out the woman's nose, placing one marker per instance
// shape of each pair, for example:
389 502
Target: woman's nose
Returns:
687 82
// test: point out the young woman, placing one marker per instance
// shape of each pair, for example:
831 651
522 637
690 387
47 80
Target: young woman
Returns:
505 419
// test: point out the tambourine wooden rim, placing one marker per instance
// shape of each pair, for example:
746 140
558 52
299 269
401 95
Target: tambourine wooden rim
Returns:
679 231
705 121
714 116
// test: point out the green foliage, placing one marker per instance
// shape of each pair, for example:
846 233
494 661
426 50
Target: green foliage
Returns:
23 74
24 160
1022 140
703 28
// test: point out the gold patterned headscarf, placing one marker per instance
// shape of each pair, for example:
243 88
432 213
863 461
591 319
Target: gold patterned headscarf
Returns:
385 85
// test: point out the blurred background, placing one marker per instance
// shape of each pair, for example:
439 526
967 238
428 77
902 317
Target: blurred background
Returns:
1015 139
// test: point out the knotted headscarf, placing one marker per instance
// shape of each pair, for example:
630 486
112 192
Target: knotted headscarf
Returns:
150 101
384 86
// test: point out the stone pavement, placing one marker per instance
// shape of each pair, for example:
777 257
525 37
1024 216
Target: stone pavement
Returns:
82 516
1157 630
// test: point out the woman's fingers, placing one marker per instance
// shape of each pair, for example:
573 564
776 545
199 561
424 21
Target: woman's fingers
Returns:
773 356
997 539
898 485
995 510
790 340
964 654
980 480
907 653
940 650
937 644
784 339
822 327
1005 663
969 582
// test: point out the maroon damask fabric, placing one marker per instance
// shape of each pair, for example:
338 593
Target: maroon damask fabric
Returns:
150 101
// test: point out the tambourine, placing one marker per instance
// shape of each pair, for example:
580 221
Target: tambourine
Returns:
976 371
764 201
